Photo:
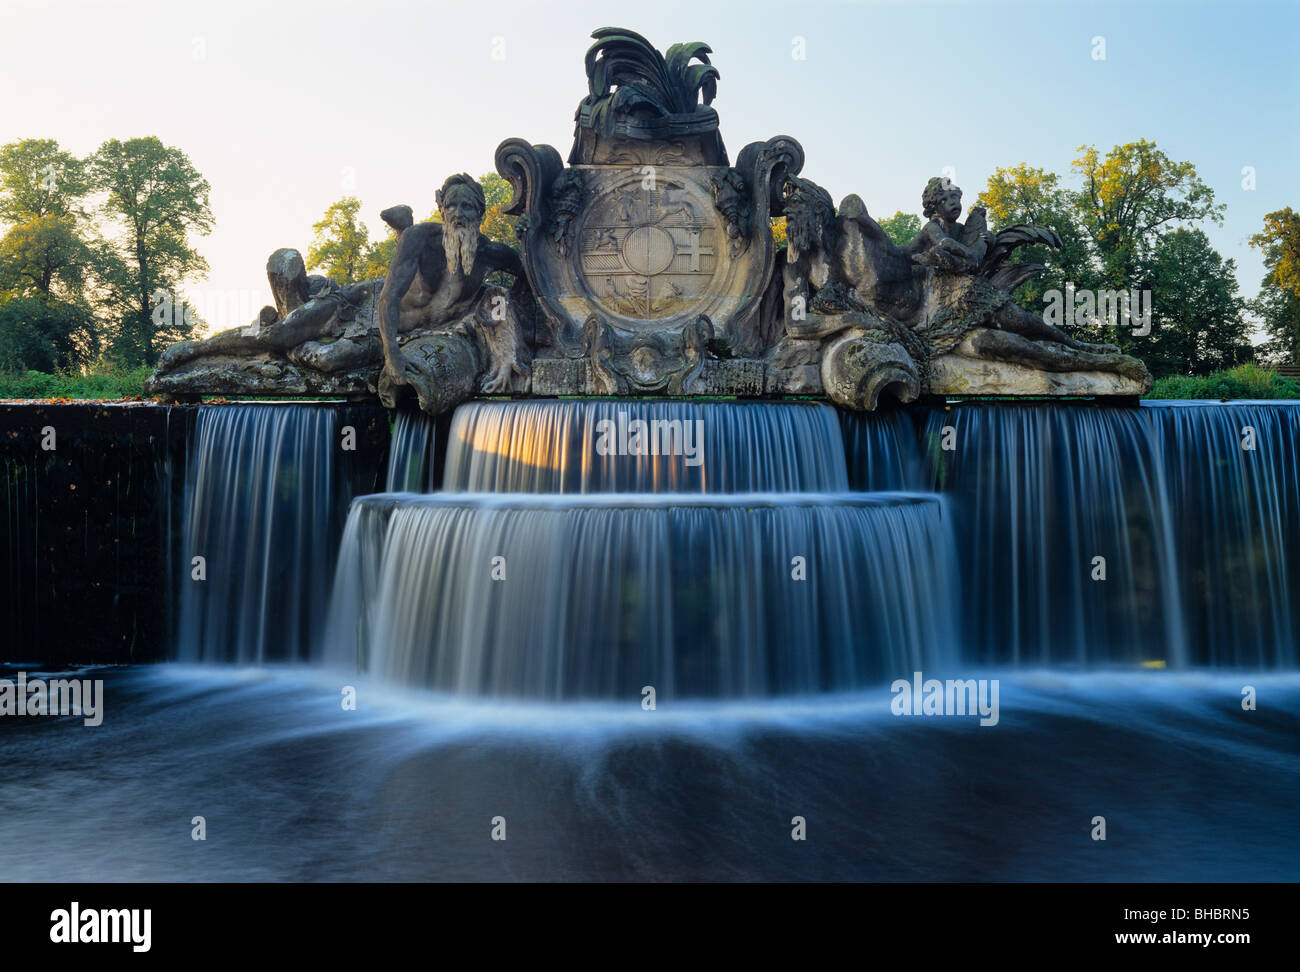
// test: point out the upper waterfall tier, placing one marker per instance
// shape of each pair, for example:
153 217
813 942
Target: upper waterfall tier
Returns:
1091 535
260 531
641 446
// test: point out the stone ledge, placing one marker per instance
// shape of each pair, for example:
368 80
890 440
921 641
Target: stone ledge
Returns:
952 374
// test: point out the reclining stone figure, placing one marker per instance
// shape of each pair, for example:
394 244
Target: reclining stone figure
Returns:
864 301
431 323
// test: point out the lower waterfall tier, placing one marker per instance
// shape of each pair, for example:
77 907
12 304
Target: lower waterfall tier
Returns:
601 596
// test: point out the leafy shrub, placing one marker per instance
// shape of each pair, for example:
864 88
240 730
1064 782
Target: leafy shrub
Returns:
1248 380
105 384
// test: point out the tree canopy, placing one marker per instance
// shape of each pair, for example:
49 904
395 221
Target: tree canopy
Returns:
1278 303
341 242
1130 218
154 199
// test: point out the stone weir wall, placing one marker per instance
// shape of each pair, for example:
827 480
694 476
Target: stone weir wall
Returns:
91 505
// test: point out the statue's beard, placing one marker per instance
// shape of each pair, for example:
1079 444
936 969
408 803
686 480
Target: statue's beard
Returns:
459 245
803 239
800 236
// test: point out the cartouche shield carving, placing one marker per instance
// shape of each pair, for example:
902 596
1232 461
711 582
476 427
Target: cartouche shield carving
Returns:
649 231
650 253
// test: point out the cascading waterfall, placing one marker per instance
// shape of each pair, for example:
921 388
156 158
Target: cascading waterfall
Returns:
1039 492
883 451
594 447
1233 474
412 455
1061 533
1193 531
262 509
20 570
695 593
598 596
719 554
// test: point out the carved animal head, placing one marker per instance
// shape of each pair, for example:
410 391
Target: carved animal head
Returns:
731 196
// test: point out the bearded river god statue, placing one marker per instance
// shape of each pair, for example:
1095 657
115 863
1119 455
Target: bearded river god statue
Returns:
647 266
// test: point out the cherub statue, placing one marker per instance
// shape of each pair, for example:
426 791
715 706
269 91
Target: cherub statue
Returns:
943 241
823 318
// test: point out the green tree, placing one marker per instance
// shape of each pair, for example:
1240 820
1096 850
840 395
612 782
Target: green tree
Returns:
1278 312
1129 197
39 333
341 243
1197 324
901 227
1278 304
779 235
379 257
1119 233
37 178
48 255
1023 194
48 258
497 225
154 198
1280 241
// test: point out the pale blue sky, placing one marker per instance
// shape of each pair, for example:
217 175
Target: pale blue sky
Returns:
285 107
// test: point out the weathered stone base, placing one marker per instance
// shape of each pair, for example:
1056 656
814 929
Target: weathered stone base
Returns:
742 377
952 374
266 374
450 381
738 377
561 376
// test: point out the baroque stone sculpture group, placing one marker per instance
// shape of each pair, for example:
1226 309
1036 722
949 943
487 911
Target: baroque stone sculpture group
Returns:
647 266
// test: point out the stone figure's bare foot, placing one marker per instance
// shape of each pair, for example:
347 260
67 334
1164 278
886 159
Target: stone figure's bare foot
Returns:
498 381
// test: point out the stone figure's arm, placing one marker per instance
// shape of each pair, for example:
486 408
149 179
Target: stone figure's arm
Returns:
800 322
357 291
795 299
306 323
933 238
401 274
919 243
932 235
502 257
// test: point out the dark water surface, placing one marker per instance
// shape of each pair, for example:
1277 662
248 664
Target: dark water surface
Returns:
405 788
